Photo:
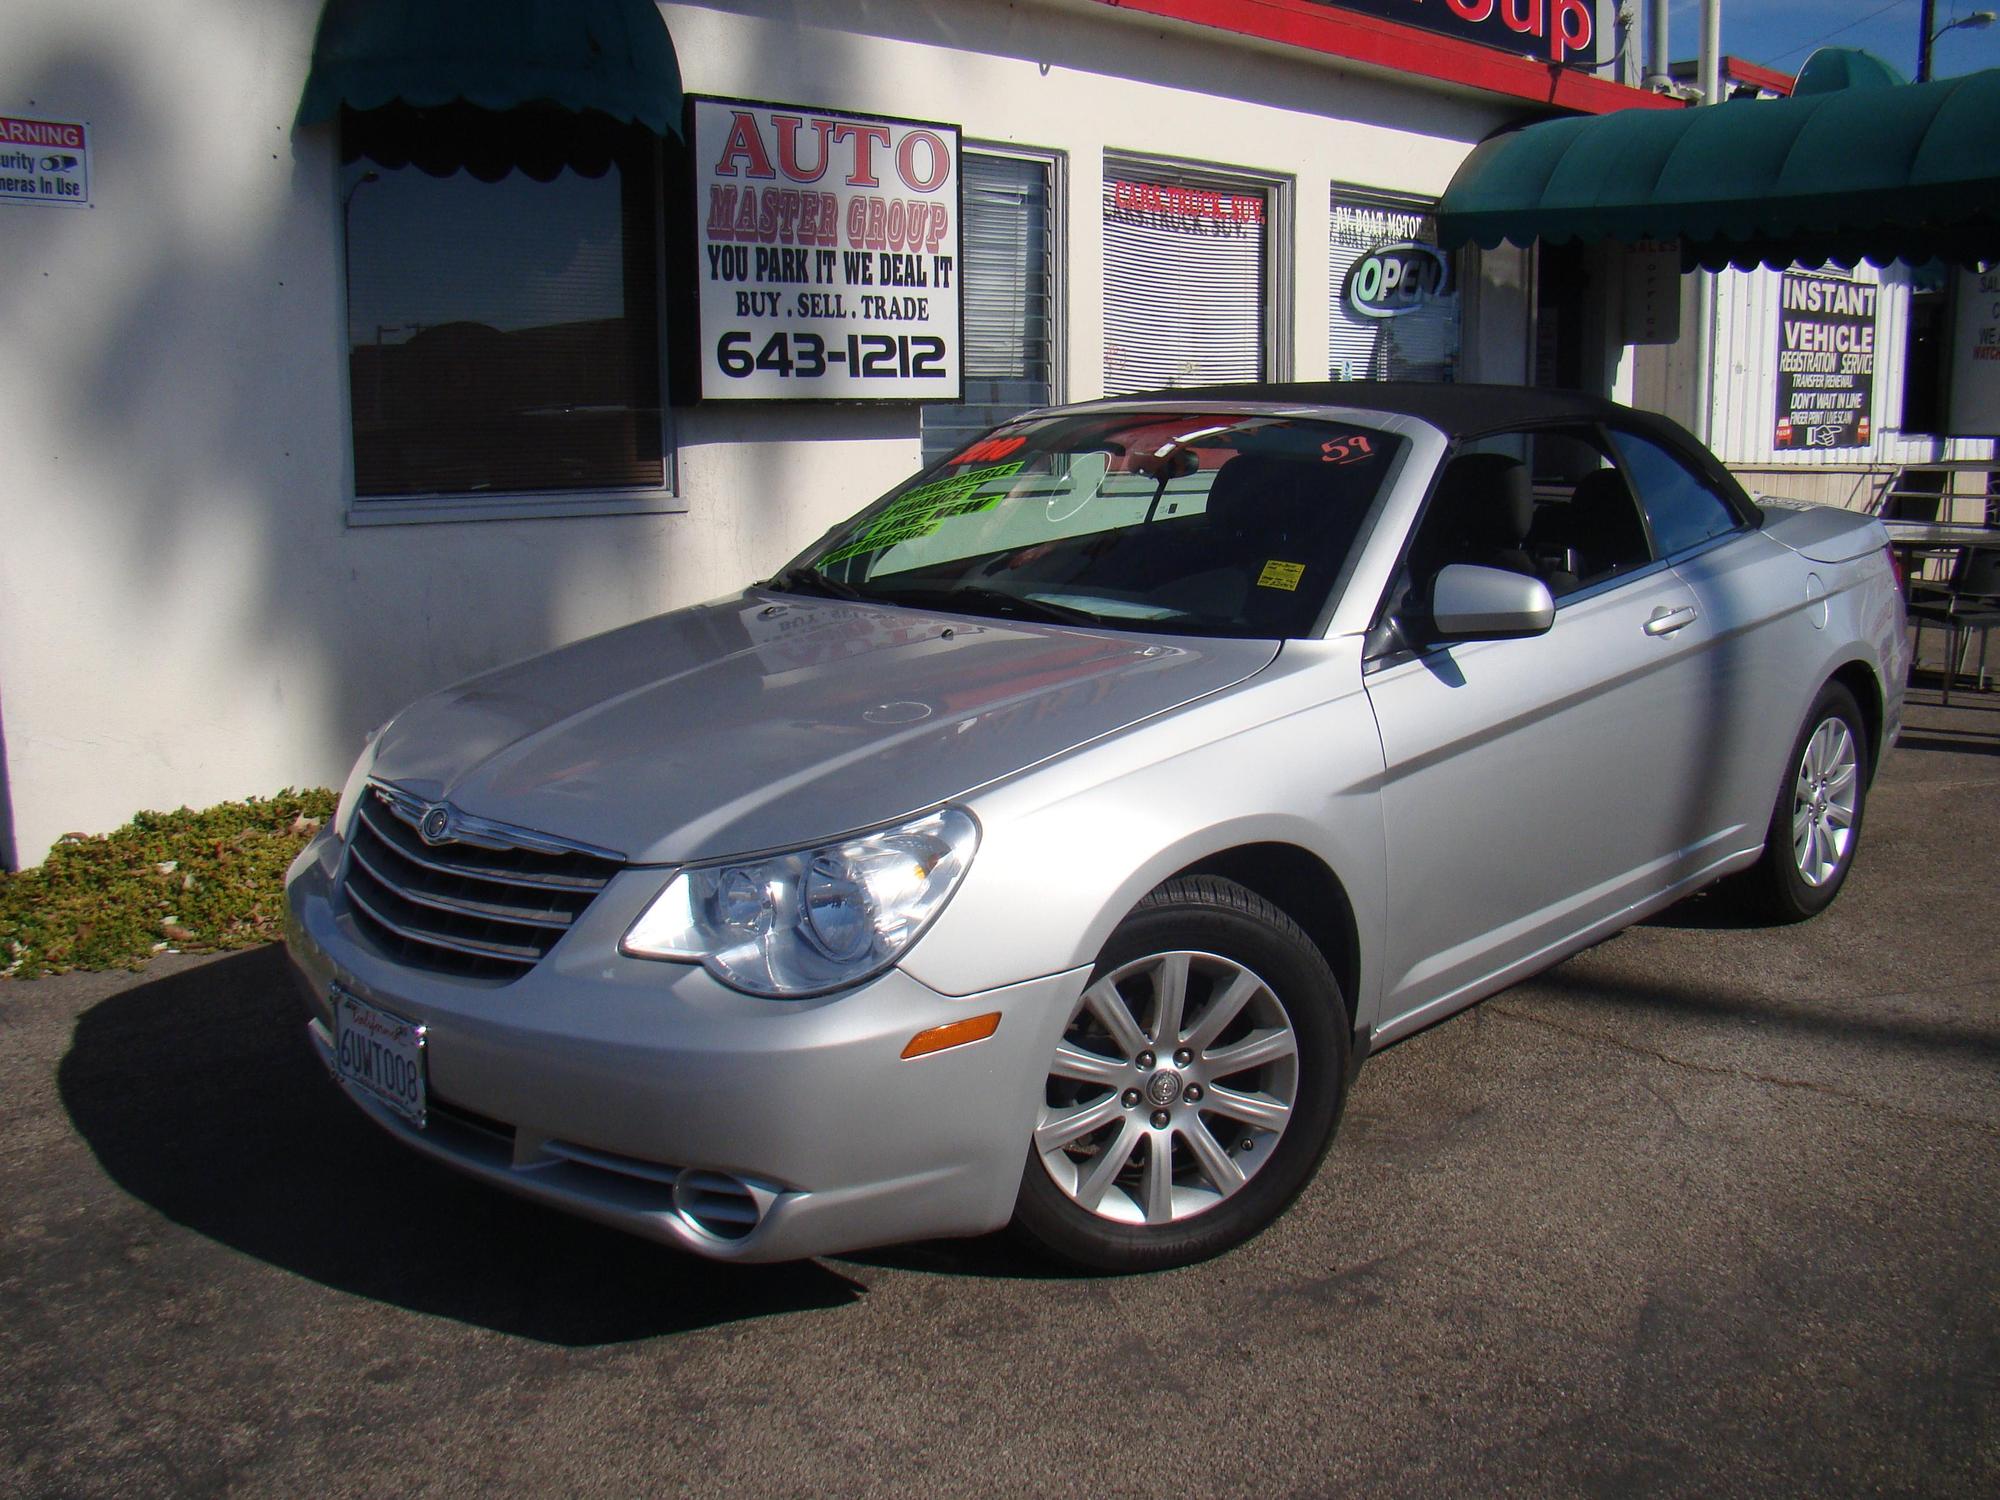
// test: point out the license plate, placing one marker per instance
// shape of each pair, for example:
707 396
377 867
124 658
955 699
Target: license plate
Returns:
380 1054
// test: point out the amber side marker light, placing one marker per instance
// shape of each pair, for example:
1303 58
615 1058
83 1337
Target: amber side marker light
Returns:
957 1034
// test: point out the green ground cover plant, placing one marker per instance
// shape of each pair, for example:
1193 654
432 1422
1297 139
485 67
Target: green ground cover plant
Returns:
183 880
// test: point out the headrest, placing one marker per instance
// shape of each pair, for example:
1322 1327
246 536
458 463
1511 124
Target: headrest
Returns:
1485 499
1603 521
1266 490
1598 488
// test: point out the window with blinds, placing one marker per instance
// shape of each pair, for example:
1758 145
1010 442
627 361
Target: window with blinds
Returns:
503 303
1007 286
1414 342
1186 280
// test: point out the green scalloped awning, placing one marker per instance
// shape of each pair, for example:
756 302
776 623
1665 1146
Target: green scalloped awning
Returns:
612 56
1898 172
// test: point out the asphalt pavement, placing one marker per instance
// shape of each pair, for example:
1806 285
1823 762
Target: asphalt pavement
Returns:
1706 1210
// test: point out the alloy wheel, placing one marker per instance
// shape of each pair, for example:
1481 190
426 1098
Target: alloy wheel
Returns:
1825 798
1172 1084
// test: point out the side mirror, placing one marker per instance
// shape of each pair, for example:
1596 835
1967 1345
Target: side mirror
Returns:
1471 603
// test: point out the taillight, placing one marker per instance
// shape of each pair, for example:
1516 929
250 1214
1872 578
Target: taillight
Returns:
1896 567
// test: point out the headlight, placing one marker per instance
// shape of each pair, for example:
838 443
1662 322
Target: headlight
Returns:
357 783
812 920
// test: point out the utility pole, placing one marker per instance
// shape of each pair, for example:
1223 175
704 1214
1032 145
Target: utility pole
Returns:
1659 56
1979 20
1704 302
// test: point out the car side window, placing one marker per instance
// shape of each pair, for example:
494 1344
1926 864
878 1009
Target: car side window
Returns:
1683 509
1551 502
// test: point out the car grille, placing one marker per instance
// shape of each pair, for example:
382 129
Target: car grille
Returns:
487 902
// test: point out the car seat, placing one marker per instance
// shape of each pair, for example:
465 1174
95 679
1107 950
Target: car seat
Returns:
1480 514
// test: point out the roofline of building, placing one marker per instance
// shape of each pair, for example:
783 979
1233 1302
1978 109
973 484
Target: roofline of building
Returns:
1741 70
1362 38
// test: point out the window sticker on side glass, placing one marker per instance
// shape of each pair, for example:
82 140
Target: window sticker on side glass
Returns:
1281 575
922 510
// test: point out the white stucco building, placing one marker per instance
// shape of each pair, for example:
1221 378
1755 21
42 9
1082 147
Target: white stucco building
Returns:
310 411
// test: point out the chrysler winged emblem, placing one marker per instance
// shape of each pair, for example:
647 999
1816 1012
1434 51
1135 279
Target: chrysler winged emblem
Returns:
435 825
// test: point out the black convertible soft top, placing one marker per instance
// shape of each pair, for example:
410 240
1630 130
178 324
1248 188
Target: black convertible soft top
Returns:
1466 411
1458 410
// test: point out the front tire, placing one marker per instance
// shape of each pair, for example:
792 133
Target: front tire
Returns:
1194 1090
1816 824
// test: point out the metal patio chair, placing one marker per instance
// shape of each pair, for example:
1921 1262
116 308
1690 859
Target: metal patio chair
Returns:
1969 602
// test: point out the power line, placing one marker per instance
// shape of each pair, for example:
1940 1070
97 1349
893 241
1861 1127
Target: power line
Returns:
1838 31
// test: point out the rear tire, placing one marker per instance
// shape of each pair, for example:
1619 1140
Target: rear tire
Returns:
1194 1090
1816 824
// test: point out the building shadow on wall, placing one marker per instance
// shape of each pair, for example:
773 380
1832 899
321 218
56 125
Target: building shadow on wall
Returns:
214 528
199 1095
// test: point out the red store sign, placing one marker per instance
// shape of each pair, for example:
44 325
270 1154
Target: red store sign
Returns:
1558 31
1187 202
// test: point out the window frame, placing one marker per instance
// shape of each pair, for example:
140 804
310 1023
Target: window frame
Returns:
1357 195
420 509
1056 162
1738 522
1280 222
1385 648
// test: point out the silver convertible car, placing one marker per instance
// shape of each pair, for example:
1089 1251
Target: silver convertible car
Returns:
1050 843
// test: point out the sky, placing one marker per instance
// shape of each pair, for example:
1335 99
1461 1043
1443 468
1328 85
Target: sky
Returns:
1783 33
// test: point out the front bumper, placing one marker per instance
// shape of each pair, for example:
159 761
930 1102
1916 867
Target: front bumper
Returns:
650 1097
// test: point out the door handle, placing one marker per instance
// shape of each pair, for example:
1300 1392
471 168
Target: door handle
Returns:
1666 621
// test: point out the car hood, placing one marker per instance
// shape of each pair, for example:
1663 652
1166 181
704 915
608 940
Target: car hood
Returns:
772 720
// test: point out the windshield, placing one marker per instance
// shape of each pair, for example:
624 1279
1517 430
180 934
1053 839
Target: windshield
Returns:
1212 523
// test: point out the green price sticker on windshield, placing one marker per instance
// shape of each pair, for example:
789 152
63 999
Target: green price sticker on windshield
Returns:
919 512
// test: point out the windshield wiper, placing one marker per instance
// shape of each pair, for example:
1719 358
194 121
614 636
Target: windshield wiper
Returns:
811 581
971 599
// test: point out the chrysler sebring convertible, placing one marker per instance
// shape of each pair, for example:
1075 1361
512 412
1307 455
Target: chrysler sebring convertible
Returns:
1049 843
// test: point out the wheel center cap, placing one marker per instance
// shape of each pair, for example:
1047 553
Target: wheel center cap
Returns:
1164 1087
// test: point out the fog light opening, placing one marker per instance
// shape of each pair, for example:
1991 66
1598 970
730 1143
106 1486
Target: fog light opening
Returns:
716 1204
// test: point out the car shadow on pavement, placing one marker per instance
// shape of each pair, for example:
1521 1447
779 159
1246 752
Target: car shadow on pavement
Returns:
1712 909
991 1257
1947 741
1881 1023
201 1098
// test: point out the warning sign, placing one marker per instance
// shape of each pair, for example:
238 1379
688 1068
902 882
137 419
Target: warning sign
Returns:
45 161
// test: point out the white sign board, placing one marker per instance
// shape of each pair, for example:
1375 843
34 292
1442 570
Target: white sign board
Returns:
45 162
827 255
1974 409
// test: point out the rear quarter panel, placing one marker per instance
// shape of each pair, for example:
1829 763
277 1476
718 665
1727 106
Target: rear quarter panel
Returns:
1782 624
